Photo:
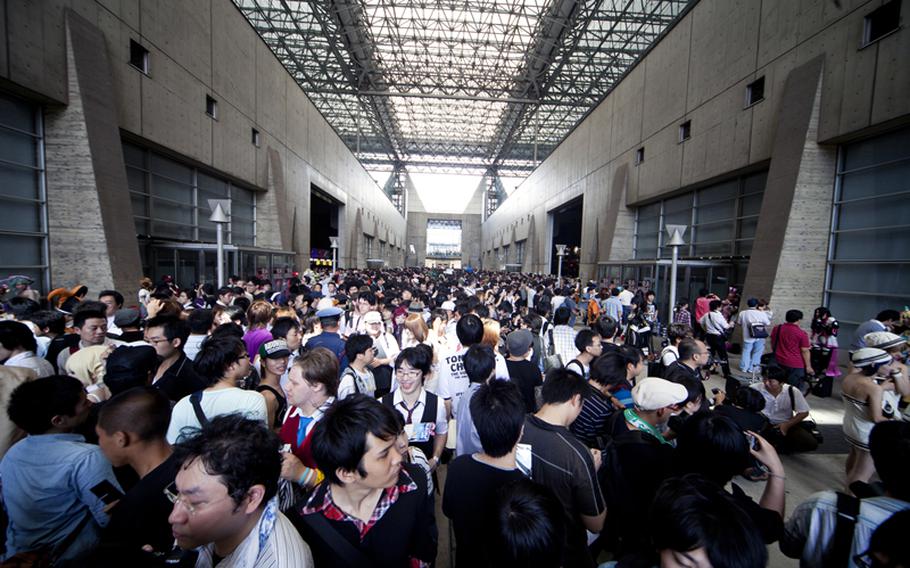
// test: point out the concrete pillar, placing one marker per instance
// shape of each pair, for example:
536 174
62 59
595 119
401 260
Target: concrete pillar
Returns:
789 255
90 218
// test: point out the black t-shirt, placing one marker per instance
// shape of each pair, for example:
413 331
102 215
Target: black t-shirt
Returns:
562 463
180 380
527 376
141 516
754 421
769 523
677 370
468 501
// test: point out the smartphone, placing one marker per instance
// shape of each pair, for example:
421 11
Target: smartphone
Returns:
753 441
107 492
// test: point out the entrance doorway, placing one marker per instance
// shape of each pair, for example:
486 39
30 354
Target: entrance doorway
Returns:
566 230
692 276
323 224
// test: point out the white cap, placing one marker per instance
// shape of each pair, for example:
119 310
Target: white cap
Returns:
869 356
653 393
372 317
448 305
883 340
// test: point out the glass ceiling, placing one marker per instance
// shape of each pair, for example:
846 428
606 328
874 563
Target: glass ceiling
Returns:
470 86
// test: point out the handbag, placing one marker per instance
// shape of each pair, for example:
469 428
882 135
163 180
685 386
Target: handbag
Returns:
553 360
758 330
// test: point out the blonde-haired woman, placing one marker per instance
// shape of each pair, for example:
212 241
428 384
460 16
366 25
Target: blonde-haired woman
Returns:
491 337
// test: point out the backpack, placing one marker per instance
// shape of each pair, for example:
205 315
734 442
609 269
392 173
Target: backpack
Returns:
593 310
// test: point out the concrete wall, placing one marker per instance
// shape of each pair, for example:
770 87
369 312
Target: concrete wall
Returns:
699 72
199 48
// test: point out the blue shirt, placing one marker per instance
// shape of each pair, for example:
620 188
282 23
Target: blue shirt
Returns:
570 303
332 342
47 481
861 331
613 308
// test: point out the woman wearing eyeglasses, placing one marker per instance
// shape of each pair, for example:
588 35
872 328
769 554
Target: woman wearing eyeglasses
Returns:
424 414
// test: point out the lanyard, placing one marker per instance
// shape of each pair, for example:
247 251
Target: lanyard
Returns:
633 419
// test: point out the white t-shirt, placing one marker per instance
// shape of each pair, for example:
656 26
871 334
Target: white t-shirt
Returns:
502 370
668 355
215 403
625 297
453 380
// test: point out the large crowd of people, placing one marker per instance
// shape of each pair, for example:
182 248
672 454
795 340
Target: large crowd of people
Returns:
560 423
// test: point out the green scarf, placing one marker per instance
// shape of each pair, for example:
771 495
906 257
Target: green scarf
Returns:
633 419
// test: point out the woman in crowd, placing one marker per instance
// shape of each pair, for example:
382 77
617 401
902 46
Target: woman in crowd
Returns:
273 362
414 331
871 394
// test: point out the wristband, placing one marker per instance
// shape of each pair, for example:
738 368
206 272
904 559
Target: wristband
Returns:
781 477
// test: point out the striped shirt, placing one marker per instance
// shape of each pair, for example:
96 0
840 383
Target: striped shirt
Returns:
272 543
591 422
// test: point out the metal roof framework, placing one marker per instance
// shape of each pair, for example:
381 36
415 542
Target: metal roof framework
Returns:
470 86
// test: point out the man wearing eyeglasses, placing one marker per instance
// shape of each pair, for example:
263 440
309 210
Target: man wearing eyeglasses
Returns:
175 374
225 502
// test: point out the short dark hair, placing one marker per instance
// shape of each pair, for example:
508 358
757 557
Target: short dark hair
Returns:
562 315
81 316
561 385
714 304
498 413
319 365
216 355
340 438
529 519
677 331
33 404
17 335
117 296
713 446
144 411
889 445
357 344
691 512
241 451
417 358
201 321
584 339
793 316
21 307
54 321
887 542
609 369
224 290
172 326
283 325
479 363
91 306
687 348
749 399
606 327
888 315
469 330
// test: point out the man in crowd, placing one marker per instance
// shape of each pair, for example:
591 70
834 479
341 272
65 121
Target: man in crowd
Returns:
786 408
224 498
791 348
52 479
176 375
17 349
562 463
525 374
131 432
882 322
200 322
693 354
562 335
814 531
638 460
372 509
225 296
330 338
114 301
753 320
479 364
355 322
453 381
91 327
472 480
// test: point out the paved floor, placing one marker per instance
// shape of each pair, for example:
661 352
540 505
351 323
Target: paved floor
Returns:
806 473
